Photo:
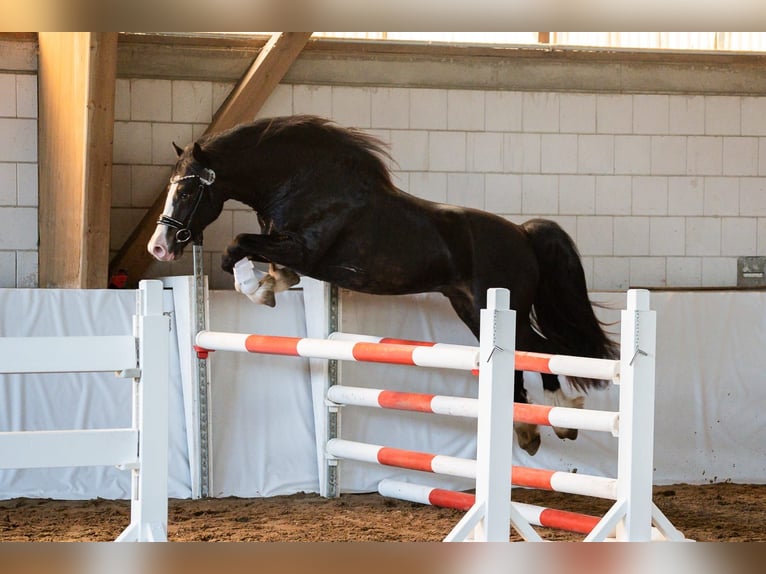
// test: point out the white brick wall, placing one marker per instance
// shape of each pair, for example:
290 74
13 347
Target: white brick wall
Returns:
657 190
18 180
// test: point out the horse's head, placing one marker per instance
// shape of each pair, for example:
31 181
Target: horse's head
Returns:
190 205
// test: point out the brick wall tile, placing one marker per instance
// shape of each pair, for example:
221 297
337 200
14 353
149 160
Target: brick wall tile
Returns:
163 136
752 196
8 95
719 271
595 235
704 155
577 194
667 236
631 236
611 273
740 156
648 271
722 115
703 236
540 112
390 108
558 153
7 267
502 193
721 196
465 110
539 194
651 114
192 101
753 116
632 154
26 96
650 195
485 152
151 100
686 115
279 103
577 113
8 184
521 153
685 195
315 100
409 149
18 228
739 236
614 113
446 151
668 155
27 184
428 109
429 185
502 111
19 140
613 195
684 271
351 106
27 269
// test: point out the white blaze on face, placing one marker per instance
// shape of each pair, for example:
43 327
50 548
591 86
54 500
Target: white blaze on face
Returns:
158 244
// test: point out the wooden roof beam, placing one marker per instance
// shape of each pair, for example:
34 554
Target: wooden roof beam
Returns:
242 104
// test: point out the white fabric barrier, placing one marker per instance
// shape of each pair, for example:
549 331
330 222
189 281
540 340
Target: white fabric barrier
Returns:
63 401
708 421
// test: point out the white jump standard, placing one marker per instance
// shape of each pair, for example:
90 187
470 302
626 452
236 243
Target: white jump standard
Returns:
633 517
141 448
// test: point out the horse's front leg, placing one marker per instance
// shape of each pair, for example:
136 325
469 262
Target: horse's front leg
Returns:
281 248
276 280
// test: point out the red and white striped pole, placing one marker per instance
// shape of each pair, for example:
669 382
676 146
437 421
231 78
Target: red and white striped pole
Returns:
565 417
466 359
542 479
567 365
536 515
347 347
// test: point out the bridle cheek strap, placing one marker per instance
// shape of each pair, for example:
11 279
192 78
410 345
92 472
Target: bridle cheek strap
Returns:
184 234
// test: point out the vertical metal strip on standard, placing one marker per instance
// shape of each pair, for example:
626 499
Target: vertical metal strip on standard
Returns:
321 308
333 413
203 387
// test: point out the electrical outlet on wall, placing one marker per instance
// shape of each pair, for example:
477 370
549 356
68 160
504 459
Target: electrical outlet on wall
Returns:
751 271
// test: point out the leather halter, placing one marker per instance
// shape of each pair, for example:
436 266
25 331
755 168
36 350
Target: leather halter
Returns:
184 234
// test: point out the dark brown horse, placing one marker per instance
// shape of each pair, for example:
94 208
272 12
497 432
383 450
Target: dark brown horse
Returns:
329 210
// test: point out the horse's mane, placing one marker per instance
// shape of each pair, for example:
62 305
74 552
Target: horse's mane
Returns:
303 128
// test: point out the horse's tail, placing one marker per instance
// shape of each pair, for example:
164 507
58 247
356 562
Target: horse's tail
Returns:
563 311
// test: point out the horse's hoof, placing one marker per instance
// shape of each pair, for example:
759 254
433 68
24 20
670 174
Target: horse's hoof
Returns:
264 295
528 437
284 278
563 433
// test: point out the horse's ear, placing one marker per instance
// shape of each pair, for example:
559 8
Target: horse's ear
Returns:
179 150
200 155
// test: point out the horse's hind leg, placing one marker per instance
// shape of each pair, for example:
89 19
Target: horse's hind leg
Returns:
556 397
528 435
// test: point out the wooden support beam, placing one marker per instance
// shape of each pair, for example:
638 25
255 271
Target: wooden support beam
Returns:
77 74
544 37
243 103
